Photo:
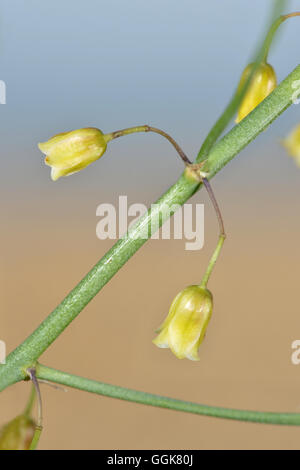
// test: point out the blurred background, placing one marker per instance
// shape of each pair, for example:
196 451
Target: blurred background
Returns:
174 65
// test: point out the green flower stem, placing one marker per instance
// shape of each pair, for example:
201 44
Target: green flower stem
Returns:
221 123
36 438
212 261
272 32
27 353
113 391
222 234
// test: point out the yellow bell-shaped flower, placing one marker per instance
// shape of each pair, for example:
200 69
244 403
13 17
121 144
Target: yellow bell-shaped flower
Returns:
292 144
70 152
184 328
262 84
17 434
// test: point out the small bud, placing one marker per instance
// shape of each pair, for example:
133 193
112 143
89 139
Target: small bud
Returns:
17 434
292 144
70 152
262 83
184 328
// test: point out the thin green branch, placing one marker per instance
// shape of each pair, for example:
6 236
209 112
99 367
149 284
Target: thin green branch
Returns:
30 350
212 261
270 36
113 391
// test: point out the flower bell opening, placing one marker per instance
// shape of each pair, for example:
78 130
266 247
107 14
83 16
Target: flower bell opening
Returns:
185 326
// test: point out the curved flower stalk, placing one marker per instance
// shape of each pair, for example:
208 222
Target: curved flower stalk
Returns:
185 326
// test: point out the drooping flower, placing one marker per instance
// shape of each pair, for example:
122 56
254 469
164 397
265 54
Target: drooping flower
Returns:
17 434
262 84
184 328
72 151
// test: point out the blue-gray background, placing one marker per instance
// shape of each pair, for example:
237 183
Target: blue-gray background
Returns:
173 64
73 64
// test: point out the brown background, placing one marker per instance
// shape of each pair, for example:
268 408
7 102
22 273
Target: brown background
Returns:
50 243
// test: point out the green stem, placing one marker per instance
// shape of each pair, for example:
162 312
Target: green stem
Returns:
26 354
113 391
272 32
222 235
221 123
36 438
212 261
